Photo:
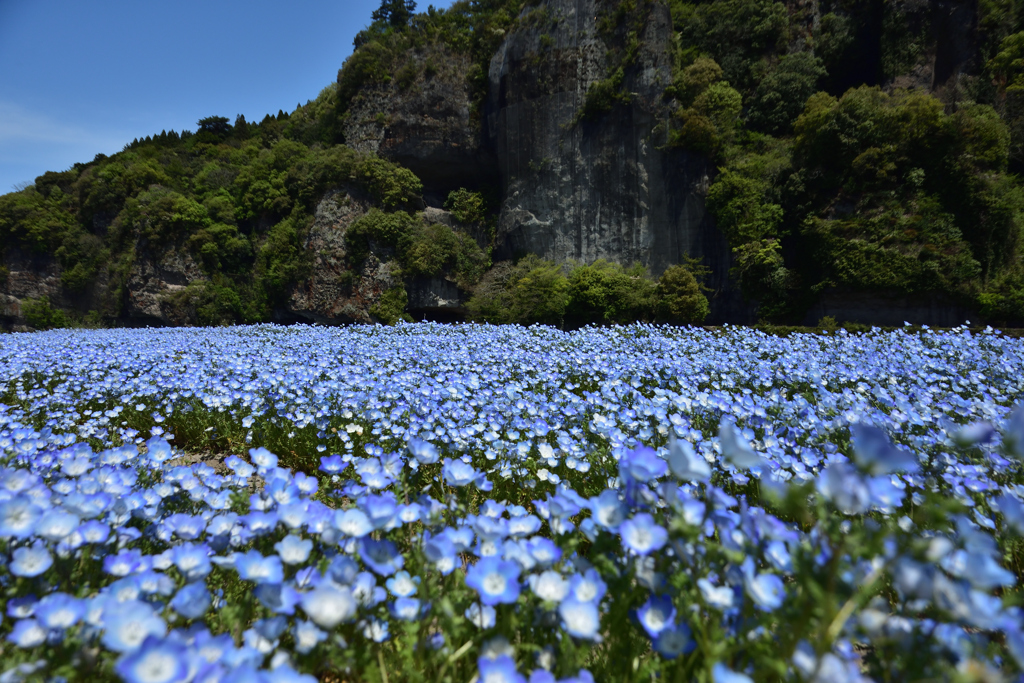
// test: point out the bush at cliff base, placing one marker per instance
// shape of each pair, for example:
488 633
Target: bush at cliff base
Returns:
509 504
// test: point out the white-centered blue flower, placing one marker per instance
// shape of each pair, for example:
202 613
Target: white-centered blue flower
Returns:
18 517
580 619
127 624
495 580
155 661
293 550
29 561
735 448
642 535
27 634
329 605
685 463
657 614
720 673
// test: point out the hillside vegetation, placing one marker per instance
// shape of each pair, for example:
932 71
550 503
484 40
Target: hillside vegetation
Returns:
839 166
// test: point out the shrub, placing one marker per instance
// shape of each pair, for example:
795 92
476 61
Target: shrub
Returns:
466 206
530 291
679 298
385 229
433 249
604 292
390 308
41 315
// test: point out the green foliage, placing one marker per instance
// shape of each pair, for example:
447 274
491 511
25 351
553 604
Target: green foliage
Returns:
431 250
281 260
530 291
389 183
390 308
395 12
384 229
603 95
466 206
779 98
604 293
679 297
711 114
41 315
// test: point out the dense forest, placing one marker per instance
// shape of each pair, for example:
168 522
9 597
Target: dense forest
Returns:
857 146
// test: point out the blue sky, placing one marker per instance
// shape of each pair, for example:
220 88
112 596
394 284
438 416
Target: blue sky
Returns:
81 78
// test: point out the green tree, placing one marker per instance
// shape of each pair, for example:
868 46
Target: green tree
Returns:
396 13
780 96
679 298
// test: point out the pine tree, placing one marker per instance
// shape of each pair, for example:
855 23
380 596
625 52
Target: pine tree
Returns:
395 12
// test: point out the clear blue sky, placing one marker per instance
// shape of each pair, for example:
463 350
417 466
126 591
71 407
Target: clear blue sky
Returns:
80 78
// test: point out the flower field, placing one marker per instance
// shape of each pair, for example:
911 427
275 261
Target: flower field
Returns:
450 503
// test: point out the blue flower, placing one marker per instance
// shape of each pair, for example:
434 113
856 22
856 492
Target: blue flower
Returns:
253 566
459 473
193 561
293 550
29 561
278 597
482 617
766 590
59 611
262 458
875 454
588 587
674 640
580 619
127 624
735 448
192 601
332 464
608 509
402 585
307 636
657 614
353 522
719 597
685 463
27 633
55 525
720 673
495 580
642 464
126 562
380 556
406 609
642 535
18 517
329 605
499 670
424 451
156 661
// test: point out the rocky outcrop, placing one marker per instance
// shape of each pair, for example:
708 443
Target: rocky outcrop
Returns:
333 293
153 279
423 119
585 189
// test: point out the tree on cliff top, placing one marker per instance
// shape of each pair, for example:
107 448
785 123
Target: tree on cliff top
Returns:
395 12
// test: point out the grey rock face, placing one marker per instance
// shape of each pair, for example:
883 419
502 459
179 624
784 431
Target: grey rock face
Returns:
332 293
154 277
423 120
601 188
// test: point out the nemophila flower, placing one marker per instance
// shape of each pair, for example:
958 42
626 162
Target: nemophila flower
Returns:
329 605
262 458
657 614
684 463
401 585
380 509
424 452
59 611
94 532
765 590
459 473
642 464
481 616
495 580
674 640
332 464
193 561
406 609
376 630
587 587
353 522
29 561
278 598
192 601
22 607
127 624
55 525
875 454
543 551
1013 432
843 485
18 517
719 597
522 526
548 586
307 636
1012 510
381 556
580 619
240 467
641 535
126 562
607 509
27 634
980 569
293 550
155 661
253 566
720 673
499 670
735 448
